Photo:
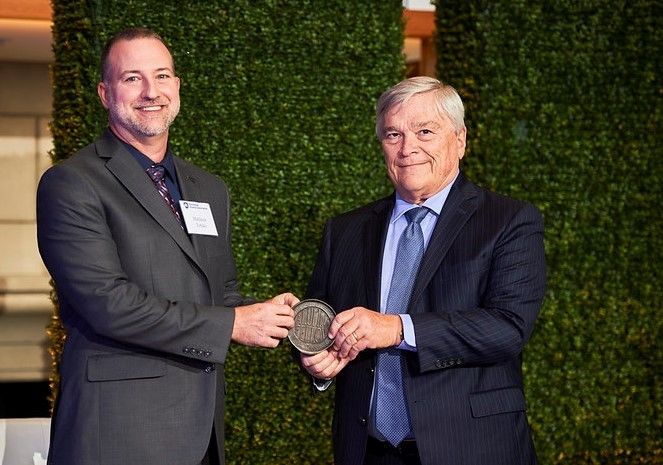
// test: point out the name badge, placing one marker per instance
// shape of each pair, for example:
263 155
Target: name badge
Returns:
198 218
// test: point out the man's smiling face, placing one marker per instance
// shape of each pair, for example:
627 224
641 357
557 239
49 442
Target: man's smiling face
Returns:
422 150
140 90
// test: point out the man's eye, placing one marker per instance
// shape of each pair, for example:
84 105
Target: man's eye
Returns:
163 76
426 132
131 79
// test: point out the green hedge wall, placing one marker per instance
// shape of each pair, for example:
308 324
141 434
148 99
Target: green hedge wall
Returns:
564 109
278 99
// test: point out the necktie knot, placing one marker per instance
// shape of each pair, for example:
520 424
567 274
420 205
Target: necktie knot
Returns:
416 215
156 172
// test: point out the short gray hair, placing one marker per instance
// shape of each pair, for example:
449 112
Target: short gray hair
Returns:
447 99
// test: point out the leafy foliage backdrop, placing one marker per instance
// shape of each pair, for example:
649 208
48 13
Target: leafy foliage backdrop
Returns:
278 99
564 110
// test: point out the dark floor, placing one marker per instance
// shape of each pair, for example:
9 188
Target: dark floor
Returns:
24 400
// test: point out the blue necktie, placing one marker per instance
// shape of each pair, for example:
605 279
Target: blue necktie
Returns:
392 418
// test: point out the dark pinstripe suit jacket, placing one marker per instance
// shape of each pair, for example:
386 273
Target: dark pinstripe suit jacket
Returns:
146 309
475 300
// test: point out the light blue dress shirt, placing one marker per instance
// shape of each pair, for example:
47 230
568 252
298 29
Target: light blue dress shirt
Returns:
397 225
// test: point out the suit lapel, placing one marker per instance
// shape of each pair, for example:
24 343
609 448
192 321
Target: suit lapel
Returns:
375 235
127 171
458 208
191 190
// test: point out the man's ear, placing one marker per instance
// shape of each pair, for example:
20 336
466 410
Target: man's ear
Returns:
102 91
461 138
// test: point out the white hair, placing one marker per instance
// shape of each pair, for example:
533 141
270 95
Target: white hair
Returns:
447 100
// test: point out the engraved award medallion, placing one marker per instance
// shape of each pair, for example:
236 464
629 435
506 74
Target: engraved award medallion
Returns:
312 320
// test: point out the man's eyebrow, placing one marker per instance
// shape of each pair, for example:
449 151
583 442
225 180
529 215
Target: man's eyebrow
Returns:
419 125
426 124
138 71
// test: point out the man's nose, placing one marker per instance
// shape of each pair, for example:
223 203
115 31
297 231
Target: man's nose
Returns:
150 89
409 145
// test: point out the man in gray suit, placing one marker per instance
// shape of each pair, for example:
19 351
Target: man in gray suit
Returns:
146 284
438 287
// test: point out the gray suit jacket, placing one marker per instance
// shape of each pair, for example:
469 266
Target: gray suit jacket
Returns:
147 310
475 300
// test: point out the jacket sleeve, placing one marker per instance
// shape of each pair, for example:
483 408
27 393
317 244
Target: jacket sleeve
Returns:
509 299
80 251
317 286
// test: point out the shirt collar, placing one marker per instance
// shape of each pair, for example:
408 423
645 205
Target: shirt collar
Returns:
434 203
145 162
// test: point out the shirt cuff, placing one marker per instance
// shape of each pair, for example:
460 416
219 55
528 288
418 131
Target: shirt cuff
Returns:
409 339
321 384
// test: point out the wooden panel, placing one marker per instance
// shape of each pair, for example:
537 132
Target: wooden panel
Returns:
23 347
25 9
419 23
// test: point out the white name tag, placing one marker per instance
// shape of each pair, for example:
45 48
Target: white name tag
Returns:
198 218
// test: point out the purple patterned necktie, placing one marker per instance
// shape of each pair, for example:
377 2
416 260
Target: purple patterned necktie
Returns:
157 174
392 417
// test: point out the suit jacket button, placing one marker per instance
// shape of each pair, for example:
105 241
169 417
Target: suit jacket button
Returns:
207 353
362 421
186 350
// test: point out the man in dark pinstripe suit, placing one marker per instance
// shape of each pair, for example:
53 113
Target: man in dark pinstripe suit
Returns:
472 307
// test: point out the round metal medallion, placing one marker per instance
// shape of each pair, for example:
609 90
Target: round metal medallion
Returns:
312 320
